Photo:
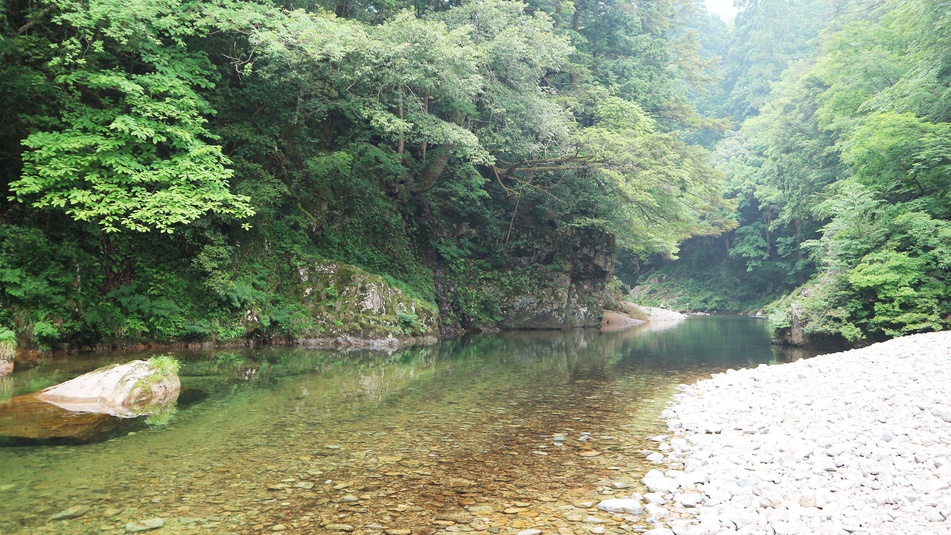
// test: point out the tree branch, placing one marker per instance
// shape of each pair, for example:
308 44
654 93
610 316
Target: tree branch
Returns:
26 27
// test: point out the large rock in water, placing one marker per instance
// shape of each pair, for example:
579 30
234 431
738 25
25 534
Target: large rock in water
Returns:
123 390
89 408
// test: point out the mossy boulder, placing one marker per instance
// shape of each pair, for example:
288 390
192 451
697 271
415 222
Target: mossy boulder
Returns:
124 390
93 406
346 301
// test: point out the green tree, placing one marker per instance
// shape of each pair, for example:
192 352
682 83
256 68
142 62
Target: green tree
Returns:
128 147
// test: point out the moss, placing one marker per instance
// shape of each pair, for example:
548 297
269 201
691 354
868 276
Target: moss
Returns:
162 417
8 344
164 365
349 301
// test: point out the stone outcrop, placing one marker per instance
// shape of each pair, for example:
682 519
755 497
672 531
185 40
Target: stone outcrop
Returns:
796 331
568 285
350 307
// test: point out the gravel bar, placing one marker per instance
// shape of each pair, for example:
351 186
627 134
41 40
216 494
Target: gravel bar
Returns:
857 442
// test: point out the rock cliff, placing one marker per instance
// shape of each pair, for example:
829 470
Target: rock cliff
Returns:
352 307
568 286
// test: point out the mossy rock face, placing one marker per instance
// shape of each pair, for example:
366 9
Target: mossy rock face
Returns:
567 285
344 300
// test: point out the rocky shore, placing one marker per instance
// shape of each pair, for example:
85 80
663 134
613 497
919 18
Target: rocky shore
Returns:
855 443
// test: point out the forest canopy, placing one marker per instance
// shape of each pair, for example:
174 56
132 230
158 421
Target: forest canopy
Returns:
167 163
841 167
168 166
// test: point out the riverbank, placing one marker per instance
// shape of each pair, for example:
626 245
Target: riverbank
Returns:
855 442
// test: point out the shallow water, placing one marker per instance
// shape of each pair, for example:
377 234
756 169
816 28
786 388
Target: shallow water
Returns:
488 434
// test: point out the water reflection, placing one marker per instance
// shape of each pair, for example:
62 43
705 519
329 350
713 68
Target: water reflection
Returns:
411 439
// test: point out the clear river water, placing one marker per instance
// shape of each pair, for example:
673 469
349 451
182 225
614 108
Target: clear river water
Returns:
486 434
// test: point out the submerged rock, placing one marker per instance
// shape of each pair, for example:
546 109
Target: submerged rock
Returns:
75 511
144 525
26 419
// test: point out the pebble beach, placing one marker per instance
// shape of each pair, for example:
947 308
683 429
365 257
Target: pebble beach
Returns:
857 442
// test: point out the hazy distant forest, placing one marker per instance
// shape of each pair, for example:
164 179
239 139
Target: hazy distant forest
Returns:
167 166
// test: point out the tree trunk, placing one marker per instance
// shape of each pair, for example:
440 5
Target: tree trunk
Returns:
431 173
400 144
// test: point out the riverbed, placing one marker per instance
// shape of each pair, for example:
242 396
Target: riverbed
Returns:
487 434
855 443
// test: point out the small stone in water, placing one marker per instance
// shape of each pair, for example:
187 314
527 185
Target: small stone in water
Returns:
622 505
480 509
75 511
338 527
144 525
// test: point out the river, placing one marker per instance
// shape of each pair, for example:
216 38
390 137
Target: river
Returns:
486 434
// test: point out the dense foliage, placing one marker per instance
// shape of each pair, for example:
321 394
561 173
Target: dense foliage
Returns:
842 166
169 165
